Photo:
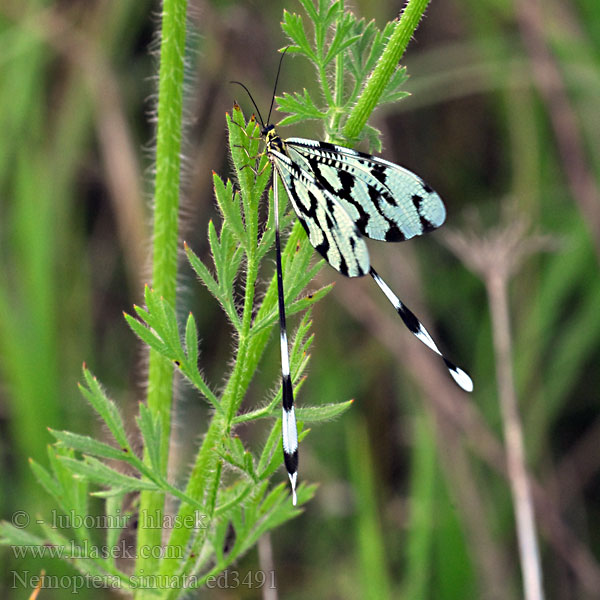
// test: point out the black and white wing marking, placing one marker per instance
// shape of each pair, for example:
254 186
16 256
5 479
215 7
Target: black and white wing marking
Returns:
339 195
331 230
418 330
386 201
332 224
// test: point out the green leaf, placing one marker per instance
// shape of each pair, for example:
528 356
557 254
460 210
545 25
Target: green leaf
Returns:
271 446
373 135
63 476
276 459
268 237
150 429
49 483
276 496
301 106
16 536
233 496
229 203
342 38
203 273
308 414
293 26
88 445
236 455
226 267
104 407
110 493
324 412
116 521
161 317
96 471
146 335
86 564
191 340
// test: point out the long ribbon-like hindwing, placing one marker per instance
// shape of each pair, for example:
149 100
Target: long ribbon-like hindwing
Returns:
340 195
288 416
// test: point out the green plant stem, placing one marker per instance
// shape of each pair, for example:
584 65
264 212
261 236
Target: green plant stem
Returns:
339 93
204 480
385 68
164 259
325 85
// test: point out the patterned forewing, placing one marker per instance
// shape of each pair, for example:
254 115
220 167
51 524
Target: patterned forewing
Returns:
386 201
331 230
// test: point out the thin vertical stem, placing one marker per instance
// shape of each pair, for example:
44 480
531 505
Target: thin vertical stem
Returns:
267 566
496 284
164 257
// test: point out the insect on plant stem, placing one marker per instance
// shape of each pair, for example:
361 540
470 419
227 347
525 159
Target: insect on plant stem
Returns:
341 196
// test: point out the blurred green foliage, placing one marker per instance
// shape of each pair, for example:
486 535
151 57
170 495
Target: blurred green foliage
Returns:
429 501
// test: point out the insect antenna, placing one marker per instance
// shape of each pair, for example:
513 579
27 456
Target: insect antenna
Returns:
275 86
251 98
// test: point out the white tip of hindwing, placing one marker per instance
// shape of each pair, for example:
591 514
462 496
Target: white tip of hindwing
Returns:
462 379
293 479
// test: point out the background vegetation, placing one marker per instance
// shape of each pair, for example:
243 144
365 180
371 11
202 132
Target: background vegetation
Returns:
414 499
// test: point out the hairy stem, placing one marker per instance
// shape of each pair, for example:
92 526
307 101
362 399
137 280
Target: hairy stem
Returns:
375 86
164 258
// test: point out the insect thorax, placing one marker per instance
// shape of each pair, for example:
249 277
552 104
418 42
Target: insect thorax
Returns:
272 139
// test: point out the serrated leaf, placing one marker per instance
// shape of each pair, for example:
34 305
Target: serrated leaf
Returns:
393 97
311 11
300 106
96 471
342 45
249 464
16 536
215 245
61 474
203 273
342 38
392 92
147 336
275 496
270 447
324 412
151 433
88 445
236 448
293 27
307 301
191 340
314 414
232 498
229 204
161 317
51 485
106 408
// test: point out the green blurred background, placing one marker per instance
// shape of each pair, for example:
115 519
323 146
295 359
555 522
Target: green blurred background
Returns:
413 501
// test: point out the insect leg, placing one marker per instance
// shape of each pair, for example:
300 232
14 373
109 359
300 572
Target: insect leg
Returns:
288 417
419 331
